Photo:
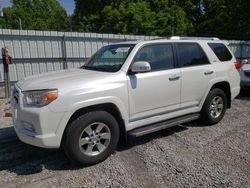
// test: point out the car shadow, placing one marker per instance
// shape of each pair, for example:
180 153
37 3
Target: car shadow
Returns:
22 159
132 141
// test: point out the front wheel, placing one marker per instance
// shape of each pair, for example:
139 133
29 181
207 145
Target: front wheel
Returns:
214 107
92 137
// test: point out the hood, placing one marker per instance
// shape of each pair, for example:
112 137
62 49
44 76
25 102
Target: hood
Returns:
63 79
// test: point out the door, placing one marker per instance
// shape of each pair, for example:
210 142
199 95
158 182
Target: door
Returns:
158 91
196 73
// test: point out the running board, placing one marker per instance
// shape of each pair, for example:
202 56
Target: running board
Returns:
162 125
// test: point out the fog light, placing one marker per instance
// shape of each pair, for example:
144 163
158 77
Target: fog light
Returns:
28 126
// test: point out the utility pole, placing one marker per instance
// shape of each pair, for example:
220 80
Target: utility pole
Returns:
173 18
1 11
20 23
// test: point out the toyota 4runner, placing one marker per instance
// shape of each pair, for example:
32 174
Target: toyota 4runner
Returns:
129 88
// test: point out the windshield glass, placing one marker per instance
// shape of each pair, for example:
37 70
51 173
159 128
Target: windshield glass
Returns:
109 58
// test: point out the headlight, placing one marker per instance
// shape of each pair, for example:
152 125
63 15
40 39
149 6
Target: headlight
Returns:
39 98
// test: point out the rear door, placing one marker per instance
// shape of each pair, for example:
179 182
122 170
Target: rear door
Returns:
196 73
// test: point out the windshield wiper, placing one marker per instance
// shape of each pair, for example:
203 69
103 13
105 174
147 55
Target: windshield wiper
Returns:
97 68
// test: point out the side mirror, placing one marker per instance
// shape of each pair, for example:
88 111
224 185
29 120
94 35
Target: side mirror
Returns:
140 66
245 61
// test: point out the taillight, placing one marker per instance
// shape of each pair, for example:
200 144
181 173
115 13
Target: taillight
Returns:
237 64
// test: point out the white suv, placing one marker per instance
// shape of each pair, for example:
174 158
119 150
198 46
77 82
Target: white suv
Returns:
130 88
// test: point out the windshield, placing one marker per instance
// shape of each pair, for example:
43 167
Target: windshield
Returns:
109 58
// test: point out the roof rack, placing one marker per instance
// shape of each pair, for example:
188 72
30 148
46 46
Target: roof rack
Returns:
192 38
159 38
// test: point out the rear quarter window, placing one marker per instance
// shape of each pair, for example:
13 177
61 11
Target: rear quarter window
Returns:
221 51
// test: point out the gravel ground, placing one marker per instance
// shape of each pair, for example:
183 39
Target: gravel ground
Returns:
189 155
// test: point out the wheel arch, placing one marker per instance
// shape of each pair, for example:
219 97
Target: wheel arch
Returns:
225 86
108 107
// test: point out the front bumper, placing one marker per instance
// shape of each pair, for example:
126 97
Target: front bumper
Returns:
36 126
43 141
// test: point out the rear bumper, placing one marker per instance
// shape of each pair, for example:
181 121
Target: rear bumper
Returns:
235 92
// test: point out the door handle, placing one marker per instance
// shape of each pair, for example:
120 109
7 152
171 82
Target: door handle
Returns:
173 78
208 72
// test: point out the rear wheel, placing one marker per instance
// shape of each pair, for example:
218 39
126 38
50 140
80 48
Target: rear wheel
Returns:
92 137
214 107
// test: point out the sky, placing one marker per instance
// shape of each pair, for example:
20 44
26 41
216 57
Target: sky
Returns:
69 5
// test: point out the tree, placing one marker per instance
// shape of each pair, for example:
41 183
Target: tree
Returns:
149 17
35 14
225 18
87 14
135 18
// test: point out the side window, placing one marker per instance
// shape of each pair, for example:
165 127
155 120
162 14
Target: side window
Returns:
191 54
160 56
221 51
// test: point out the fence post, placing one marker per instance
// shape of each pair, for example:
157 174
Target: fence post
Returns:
6 80
6 61
64 52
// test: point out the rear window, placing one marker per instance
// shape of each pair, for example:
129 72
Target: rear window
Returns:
221 51
191 54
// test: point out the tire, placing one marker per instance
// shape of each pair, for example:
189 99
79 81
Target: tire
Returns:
91 138
212 113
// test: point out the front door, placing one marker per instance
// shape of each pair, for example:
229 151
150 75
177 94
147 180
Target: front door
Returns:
158 91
